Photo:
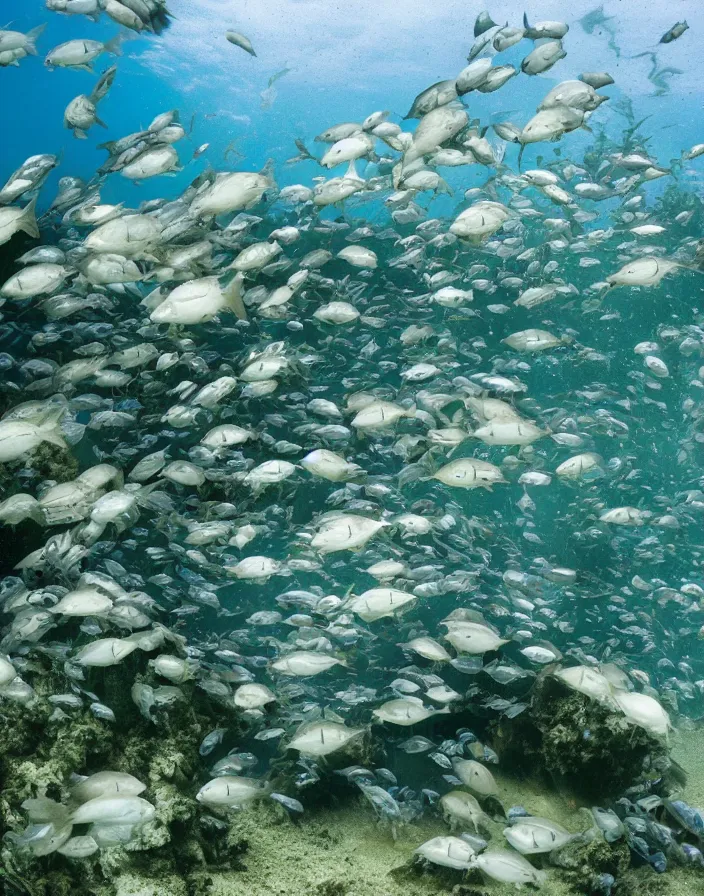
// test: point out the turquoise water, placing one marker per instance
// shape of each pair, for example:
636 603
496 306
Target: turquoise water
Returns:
600 570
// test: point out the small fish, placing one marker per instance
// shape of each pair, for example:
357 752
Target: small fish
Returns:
240 40
210 741
676 31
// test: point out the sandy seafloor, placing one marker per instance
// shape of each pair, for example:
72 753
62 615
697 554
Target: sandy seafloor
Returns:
344 852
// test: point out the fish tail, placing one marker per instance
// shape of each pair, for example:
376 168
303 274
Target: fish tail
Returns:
30 38
114 45
28 221
232 295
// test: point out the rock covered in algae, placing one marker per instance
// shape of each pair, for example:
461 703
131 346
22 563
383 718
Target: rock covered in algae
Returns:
579 743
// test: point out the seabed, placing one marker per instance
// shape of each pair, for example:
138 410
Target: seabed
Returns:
344 852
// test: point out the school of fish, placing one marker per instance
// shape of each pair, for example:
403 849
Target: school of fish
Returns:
346 467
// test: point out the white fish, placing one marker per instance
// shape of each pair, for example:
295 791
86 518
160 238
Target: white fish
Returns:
642 272
537 654
184 473
156 160
132 236
551 124
34 280
480 221
230 193
7 671
405 711
240 40
469 472
347 532
18 437
83 602
336 313
376 603
534 835
380 414
269 473
348 149
434 129
450 852
12 41
114 810
543 57
173 668
428 648
105 652
533 340
460 808
322 738
257 568
624 516
231 792
476 777
13 220
644 711
588 681
472 637
510 432
472 76
256 256
106 783
508 867
79 847
331 466
579 465
358 256
79 54
227 435
305 663
253 696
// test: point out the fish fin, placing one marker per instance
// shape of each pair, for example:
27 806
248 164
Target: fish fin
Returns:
29 220
100 122
79 134
232 295
31 37
525 21
52 417
49 434
84 67
43 810
268 169
114 45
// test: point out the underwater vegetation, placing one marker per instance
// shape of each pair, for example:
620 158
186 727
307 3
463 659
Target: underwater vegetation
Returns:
350 529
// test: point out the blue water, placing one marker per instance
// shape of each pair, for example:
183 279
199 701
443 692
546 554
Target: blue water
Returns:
345 60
